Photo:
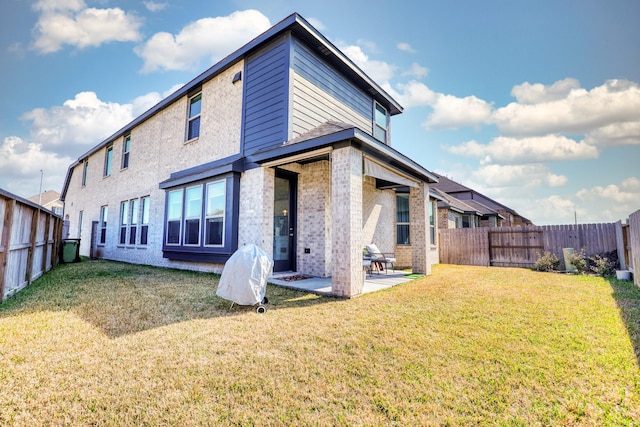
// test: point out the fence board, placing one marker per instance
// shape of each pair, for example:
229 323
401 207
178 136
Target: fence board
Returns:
522 246
28 242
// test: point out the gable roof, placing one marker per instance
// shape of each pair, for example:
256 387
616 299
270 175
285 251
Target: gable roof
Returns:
302 29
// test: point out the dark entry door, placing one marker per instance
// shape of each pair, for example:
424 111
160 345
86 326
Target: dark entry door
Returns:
284 222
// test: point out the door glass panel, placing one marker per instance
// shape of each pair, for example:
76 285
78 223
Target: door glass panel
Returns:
281 213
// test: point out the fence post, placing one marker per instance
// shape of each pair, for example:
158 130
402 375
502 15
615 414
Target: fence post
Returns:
7 227
620 246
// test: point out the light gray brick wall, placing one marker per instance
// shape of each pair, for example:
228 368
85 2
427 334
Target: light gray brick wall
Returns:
419 216
379 216
314 219
158 148
346 177
255 223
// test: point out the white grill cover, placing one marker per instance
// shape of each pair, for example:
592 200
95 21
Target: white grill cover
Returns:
244 277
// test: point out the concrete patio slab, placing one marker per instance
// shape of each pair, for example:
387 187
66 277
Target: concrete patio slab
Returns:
322 285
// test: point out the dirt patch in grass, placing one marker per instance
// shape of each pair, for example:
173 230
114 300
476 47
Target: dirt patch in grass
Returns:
101 343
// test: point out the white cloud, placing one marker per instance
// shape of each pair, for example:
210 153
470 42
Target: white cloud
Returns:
153 6
405 47
505 150
416 71
414 94
207 37
528 93
21 162
71 23
451 112
77 124
518 177
615 134
579 111
381 72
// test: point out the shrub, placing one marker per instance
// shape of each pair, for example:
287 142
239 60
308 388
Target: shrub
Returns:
604 264
547 262
580 261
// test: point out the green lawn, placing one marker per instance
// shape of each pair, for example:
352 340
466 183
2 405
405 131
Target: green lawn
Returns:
103 343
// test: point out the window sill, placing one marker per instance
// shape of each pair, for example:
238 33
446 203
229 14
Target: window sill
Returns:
192 140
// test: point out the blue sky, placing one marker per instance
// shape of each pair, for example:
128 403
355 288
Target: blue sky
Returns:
535 104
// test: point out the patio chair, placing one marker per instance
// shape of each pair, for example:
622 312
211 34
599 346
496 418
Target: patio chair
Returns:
378 258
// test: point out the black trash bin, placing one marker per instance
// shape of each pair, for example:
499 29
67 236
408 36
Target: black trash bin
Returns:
70 251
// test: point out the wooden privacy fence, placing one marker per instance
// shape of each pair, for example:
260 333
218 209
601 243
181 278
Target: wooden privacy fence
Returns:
522 246
29 242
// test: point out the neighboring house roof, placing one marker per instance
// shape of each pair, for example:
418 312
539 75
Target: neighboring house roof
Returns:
453 188
294 23
47 198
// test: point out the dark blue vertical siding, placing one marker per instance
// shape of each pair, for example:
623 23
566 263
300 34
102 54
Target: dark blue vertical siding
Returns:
310 65
266 80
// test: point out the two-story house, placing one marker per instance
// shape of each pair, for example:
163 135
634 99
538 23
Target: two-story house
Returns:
284 144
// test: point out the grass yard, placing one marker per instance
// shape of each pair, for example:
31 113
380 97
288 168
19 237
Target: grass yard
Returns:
104 343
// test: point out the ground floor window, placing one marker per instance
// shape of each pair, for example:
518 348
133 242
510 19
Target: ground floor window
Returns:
402 220
201 219
104 213
134 221
432 222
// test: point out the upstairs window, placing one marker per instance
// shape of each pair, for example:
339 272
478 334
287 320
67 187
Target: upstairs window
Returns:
402 220
85 172
193 125
126 147
380 123
108 160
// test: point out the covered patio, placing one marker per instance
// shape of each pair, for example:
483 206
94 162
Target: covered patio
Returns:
322 285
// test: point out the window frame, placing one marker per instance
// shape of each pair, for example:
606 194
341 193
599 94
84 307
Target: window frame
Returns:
145 213
378 127
124 222
126 150
208 217
108 160
104 216
189 216
85 172
192 118
404 224
433 211
203 252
